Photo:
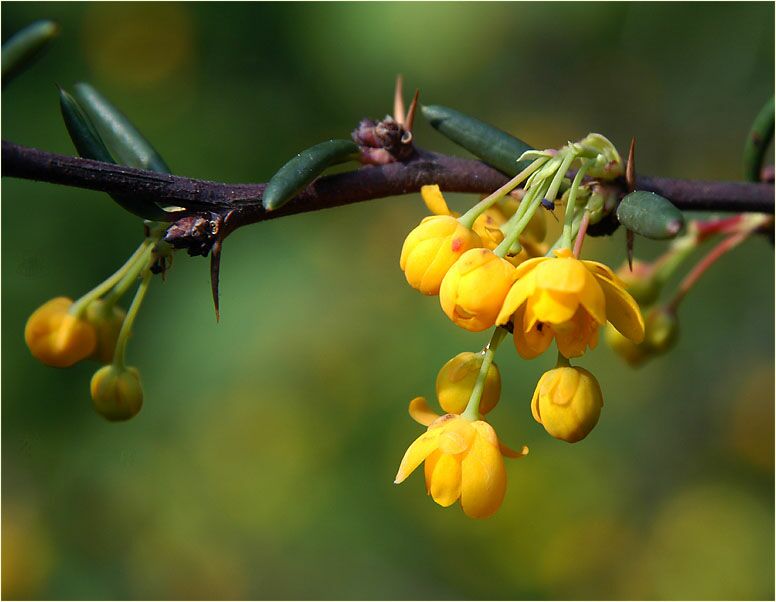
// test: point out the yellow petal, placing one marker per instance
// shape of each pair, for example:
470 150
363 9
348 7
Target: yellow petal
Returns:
528 265
483 479
592 299
553 306
622 311
432 197
446 480
417 452
421 412
604 271
520 291
567 275
574 336
456 437
429 466
535 341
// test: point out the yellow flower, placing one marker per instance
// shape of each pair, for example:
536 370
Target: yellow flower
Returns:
474 288
567 402
107 321
58 338
456 379
463 460
432 248
567 299
116 392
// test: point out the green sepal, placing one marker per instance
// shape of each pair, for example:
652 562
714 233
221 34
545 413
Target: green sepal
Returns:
485 141
90 145
757 142
650 215
26 45
300 171
121 136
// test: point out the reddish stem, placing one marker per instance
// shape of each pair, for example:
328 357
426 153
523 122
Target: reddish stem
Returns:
581 234
704 264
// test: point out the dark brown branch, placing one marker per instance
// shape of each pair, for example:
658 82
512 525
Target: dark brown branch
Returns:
240 204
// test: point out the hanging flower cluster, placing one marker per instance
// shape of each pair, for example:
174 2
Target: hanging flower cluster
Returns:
491 268
62 332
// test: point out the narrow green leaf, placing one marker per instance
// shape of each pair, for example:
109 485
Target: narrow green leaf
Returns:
757 142
21 49
485 141
295 175
90 145
121 136
650 215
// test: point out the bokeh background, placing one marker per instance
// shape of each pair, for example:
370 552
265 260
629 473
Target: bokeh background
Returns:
262 463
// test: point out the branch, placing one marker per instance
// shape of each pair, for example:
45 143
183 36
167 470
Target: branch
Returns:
240 204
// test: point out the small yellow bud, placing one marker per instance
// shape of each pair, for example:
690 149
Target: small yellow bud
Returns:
473 290
456 379
116 392
567 402
488 227
432 248
640 282
107 321
58 338
661 331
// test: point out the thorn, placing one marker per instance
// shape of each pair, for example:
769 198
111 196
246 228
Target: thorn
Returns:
629 240
411 112
398 100
630 167
215 269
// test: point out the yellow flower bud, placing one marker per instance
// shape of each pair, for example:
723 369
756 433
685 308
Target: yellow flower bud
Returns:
640 282
116 392
456 379
567 402
431 248
488 227
107 321
474 289
58 338
661 331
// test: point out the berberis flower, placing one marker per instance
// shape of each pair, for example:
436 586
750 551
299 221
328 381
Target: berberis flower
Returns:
58 338
463 460
474 288
567 402
567 299
432 248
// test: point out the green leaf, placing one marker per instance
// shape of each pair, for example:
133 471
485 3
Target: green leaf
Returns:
485 141
757 142
90 145
650 215
21 49
300 171
123 139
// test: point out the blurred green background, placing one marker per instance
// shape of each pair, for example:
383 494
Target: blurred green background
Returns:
262 463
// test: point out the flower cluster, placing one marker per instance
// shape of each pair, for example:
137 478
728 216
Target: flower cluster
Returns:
491 268
63 332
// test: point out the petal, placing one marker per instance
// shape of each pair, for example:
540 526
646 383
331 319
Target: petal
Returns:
622 311
528 265
520 291
417 452
574 336
483 479
428 468
565 275
603 271
421 412
446 480
535 341
592 299
553 306
456 437
432 197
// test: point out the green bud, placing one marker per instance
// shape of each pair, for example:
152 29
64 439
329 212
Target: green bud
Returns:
650 215
116 392
661 330
640 282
